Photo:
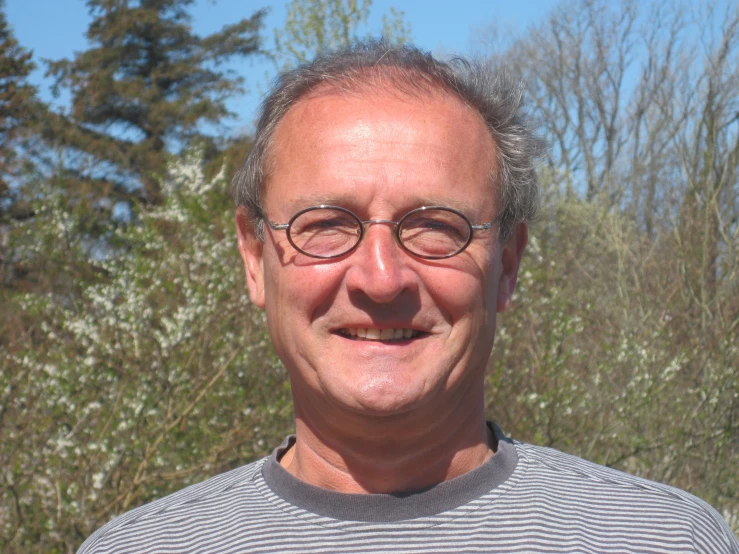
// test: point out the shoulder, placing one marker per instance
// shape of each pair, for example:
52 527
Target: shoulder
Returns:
584 487
211 498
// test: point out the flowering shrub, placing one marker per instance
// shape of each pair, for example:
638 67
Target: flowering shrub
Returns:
146 369
156 376
607 355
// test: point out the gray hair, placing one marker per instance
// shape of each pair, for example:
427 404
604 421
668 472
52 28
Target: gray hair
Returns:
487 88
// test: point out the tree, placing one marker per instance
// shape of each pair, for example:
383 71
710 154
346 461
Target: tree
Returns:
629 303
19 107
708 150
641 108
143 368
155 376
146 86
316 26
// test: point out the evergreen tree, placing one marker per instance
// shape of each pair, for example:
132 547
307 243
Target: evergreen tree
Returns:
145 86
18 108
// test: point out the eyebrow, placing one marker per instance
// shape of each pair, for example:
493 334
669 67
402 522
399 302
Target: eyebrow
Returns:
308 200
349 201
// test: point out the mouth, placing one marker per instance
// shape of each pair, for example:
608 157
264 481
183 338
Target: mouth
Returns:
386 335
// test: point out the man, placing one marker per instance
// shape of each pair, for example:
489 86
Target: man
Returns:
382 219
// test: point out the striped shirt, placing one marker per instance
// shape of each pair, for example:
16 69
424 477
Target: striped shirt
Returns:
523 499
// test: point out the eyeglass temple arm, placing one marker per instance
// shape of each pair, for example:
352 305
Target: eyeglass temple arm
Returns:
486 226
277 226
274 226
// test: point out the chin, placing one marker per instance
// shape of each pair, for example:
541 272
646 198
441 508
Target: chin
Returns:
384 397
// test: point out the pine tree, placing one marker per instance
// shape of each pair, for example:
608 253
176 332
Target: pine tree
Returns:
145 87
19 107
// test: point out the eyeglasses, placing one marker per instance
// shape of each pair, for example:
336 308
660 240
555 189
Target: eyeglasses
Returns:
429 232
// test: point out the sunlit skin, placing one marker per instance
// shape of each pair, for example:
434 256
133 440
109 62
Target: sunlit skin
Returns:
381 416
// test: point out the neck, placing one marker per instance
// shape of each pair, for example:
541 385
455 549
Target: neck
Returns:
384 457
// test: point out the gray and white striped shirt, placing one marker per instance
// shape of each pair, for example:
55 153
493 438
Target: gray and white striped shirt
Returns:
524 499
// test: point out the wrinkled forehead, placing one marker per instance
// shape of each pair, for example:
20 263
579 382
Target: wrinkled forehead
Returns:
379 149
369 88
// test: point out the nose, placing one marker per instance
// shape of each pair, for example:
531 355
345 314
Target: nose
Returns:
379 267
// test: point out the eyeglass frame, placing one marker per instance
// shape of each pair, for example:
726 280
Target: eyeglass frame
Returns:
286 227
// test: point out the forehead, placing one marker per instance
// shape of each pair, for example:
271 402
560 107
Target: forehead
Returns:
353 147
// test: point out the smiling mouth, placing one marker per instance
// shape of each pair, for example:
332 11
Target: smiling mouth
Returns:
363 333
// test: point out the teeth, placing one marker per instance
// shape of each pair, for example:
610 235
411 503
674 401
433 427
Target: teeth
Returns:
386 334
379 334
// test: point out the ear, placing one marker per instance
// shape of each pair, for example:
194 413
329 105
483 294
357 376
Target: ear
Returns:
510 259
251 249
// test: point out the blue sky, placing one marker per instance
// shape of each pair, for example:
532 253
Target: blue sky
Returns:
55 29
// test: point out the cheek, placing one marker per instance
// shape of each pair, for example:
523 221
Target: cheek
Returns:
296 293
463 301
464 294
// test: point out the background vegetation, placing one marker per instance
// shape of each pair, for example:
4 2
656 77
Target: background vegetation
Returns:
132 364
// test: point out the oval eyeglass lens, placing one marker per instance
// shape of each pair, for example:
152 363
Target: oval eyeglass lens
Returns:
325 232
434 233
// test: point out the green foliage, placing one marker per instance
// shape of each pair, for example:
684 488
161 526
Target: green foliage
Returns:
18 108
395 28
131 363
628 310
604 356
315 26
158 374
147 84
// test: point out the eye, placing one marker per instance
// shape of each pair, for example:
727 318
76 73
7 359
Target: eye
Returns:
332 223
325 232
434 225
434 232
441 223
323 221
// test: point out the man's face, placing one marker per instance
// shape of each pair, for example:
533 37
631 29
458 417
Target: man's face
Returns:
380 156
